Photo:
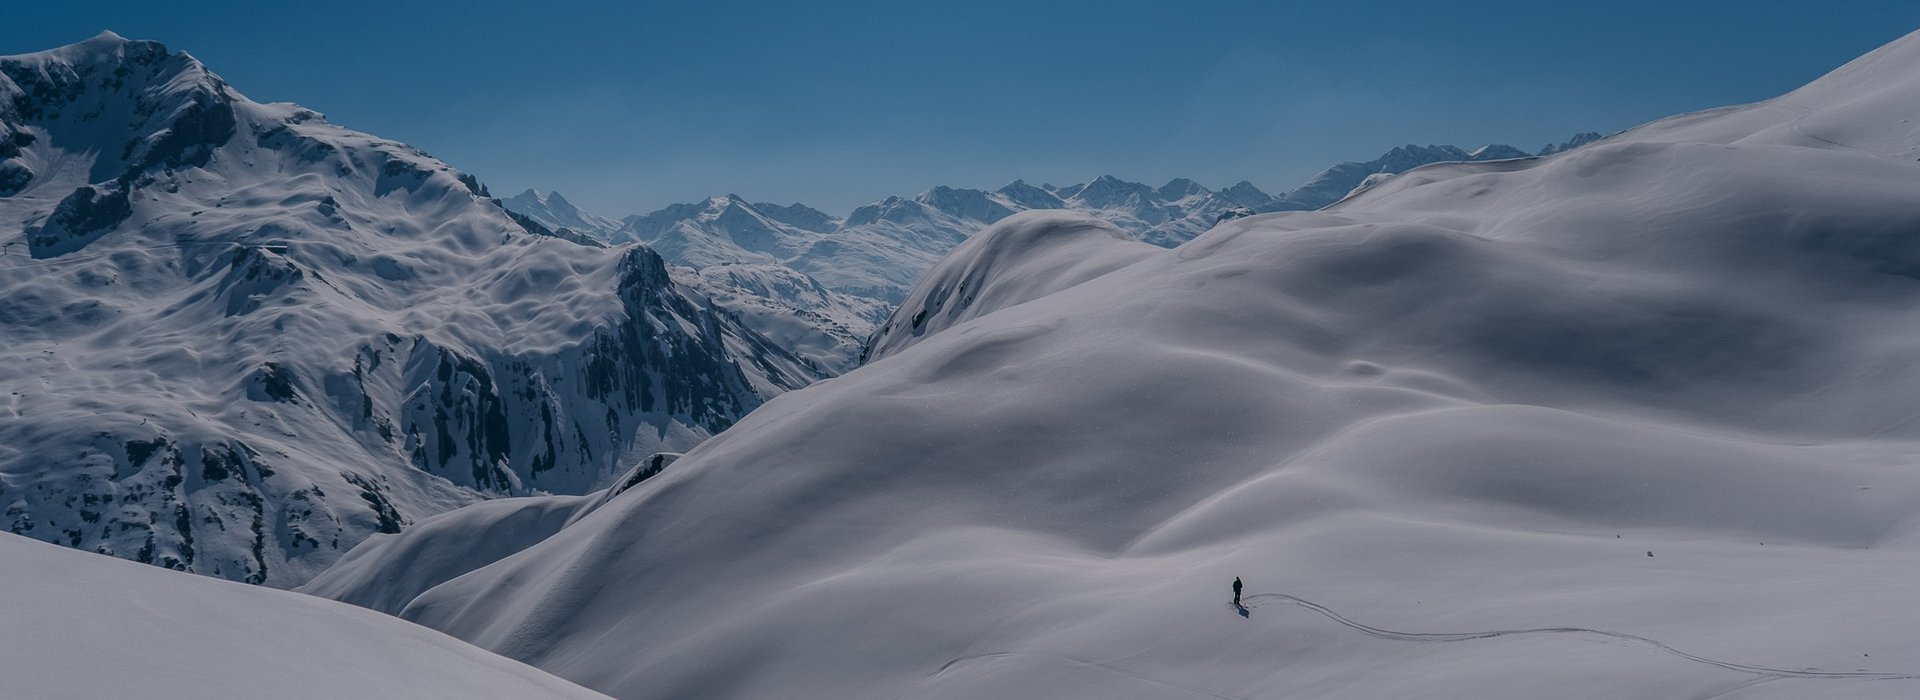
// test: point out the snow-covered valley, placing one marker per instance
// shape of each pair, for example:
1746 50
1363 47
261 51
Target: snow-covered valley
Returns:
1631 416
1629 421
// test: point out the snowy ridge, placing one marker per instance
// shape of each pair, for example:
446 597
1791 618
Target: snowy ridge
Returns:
1026 257
81 625
881 249
1334 183
241 339
1654 392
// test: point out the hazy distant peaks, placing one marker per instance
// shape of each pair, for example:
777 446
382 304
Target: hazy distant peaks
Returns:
1180 187
799 216
1029 196
1578 140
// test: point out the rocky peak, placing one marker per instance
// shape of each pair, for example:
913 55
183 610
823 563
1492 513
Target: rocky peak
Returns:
1578 140
1245 194
969 204
1497 151
1179 188
1108 191
799 216
1025 195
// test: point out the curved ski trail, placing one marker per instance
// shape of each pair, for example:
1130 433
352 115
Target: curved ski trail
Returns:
1768 671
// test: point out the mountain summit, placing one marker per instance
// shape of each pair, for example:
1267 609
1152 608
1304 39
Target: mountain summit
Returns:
555 212
240 339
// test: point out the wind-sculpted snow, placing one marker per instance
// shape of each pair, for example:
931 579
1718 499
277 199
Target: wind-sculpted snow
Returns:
240 339
1027 257
1659 388
81 625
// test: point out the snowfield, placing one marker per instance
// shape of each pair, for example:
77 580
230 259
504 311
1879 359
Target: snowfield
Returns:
81 626
1634 420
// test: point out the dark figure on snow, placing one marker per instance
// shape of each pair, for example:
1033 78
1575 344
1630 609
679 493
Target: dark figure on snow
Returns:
1236 590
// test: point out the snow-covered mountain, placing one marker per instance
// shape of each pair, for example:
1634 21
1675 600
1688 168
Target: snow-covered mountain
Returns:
555 212
1336 182
238 339
881 249
81 625
1633 420
797 313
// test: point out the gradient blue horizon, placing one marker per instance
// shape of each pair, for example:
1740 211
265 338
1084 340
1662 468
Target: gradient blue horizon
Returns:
625 108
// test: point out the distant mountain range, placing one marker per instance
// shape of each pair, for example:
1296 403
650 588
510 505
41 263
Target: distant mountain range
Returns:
731 229
838 277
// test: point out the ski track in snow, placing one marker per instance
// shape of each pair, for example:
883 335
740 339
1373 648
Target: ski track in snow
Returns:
1763 674
1764 671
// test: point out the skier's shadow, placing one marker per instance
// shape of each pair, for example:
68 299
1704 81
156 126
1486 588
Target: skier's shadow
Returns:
1242 609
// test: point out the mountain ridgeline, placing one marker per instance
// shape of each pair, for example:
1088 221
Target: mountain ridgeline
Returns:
881 249
821 285
240 339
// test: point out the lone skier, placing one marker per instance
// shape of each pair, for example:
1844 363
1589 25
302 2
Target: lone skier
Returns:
1236 590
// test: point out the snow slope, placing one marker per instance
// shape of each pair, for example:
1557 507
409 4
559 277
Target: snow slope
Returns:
386 571
236 339
82 626
1635 420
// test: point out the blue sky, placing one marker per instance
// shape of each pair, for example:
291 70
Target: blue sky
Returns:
625 107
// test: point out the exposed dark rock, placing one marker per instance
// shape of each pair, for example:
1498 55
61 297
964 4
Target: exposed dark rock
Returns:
277 383
202 126
84 216
389 517
1234 213
14 177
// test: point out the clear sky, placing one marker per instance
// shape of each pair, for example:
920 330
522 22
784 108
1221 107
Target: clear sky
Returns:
625 107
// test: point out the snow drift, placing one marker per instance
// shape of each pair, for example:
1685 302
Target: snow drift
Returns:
84 626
